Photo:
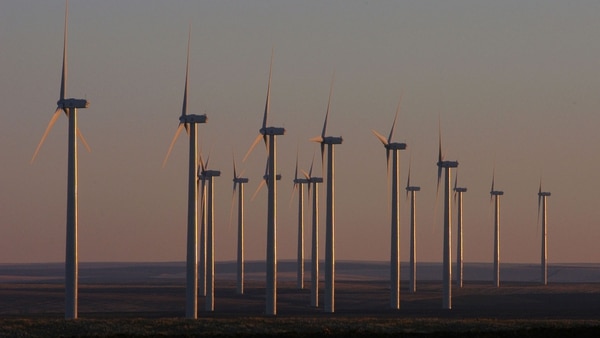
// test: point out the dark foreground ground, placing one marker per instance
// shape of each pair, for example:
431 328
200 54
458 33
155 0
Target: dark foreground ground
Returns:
362 309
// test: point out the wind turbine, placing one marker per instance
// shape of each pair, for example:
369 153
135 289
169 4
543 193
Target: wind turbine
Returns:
69 106
413 232
447 265
298 185
239 180
208 176
314 276
495 194
458 193
542 200
395 148
203 220
269 137
330 141
190 122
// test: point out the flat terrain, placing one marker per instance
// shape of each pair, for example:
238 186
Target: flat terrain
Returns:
362 307
148 299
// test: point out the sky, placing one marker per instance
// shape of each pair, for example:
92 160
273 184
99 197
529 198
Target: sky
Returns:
513 85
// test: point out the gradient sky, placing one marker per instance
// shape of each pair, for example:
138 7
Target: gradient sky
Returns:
514 83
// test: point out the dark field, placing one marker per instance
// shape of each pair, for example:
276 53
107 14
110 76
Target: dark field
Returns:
34 306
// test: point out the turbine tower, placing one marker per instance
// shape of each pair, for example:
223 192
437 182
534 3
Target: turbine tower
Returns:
412 190
458 193
190 122
268 135
69 107
495 195
395 148
447 265
298 185
203 220
542 200
208 176
314 276
239 180
330 141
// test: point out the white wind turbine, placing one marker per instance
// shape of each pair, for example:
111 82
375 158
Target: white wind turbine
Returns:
201 182
495 195
239 180
268 135
189 122
542 200
395 148
314 276
447 264
330 141
208 176
458 194
299 185
413 232
69 107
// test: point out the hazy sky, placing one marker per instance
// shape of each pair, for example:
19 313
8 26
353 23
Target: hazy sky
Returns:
514 83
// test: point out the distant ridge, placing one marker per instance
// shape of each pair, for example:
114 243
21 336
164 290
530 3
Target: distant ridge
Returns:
168 272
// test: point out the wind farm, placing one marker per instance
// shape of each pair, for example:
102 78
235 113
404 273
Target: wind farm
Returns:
133 209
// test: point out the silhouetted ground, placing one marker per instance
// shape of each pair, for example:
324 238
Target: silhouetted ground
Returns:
362 308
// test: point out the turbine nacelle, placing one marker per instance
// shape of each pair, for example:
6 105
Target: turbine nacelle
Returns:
316 179
331 140
544 194
72 103
413 188
272 131
241 180
496 193
447 164
277 177
301 181
209 173
193 118
395 146
460 189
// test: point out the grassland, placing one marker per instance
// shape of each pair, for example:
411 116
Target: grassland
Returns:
156 309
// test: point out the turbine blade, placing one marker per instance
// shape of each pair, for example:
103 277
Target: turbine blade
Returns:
322 159
439 177
268 101
296 171
262 184
395 118
440 156
187 72
455 182
256 140
85 144
328 106
380 137
48 128
294 189
311 166
408 179
306 175
231 208
179 129
63 80
493 179
234 169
